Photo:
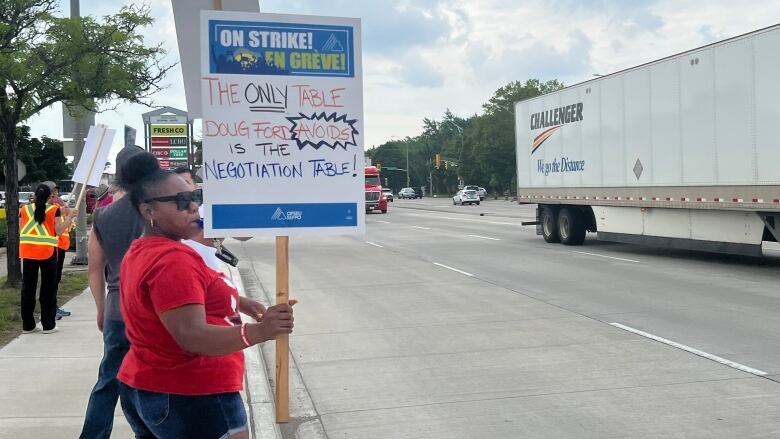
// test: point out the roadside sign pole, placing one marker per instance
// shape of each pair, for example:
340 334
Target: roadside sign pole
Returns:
78 143
282 341
81 219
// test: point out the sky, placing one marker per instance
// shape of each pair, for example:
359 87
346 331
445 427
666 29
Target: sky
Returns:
422 57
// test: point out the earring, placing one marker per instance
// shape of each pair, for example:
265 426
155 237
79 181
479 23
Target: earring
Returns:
152 221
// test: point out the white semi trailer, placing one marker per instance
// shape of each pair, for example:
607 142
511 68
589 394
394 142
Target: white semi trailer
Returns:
682 152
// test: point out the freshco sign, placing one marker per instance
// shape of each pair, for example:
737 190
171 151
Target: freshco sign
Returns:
169 130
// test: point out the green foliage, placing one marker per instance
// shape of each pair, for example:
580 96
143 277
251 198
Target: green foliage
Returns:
47 59
83 62
43 158
481 147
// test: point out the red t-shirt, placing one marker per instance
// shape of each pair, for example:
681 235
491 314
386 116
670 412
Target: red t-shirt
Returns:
159 274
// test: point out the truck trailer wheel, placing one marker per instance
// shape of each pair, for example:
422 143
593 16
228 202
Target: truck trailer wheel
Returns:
550 224
571 226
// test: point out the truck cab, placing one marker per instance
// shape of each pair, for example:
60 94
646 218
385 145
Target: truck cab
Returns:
375 199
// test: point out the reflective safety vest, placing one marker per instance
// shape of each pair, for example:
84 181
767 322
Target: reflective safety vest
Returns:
36 240
64 239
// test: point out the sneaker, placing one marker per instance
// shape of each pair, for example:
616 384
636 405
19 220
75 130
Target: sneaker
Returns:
51 331
62 312
58 316
31 331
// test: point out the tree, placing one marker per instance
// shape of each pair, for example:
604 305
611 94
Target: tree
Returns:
486 156
81 62
43 158
493 136
505 97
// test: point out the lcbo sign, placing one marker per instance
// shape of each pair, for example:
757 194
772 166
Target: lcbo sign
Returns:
282 125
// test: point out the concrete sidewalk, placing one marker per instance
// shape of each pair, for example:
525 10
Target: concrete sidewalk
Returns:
45 380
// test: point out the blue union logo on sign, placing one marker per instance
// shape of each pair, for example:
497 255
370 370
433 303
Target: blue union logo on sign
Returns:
280 215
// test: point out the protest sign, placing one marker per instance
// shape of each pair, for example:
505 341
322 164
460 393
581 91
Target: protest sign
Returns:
129 136
282 105
93 159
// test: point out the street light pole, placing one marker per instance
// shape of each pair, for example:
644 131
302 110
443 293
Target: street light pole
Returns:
407 165
460 150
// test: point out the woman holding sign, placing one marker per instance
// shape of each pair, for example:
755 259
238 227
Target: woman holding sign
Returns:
185 366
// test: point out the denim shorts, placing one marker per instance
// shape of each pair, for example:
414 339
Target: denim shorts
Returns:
165 415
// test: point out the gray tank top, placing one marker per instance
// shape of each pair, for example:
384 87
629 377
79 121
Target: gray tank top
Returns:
116 227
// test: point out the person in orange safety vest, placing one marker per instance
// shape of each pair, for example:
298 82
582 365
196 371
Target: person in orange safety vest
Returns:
39 227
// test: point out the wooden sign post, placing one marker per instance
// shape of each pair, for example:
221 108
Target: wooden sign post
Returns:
282 341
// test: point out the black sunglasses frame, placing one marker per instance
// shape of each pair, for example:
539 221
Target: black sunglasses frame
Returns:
182 199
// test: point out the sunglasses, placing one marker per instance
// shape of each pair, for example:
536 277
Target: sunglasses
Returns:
182 199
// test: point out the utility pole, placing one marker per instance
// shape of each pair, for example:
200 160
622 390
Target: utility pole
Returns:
78 145
460 151
407 164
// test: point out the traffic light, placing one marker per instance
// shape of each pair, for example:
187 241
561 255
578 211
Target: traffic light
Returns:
438 160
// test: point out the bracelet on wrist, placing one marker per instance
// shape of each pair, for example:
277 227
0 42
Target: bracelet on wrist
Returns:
243 335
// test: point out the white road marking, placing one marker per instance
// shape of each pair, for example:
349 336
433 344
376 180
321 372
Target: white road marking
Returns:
608 257
502 224
374 244
484 237
694 351
421 228
473 220
453 269
382 222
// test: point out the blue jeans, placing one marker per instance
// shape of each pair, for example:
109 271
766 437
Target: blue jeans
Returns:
99 420
169 416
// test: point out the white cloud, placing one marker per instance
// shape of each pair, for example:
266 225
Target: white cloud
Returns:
421 57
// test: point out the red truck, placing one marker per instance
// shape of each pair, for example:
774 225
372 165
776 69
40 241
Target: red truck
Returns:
375 200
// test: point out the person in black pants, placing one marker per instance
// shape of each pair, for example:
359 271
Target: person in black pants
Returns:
62 245
48 299
39 227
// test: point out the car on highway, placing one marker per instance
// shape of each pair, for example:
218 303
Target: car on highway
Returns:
418 192
25 198
68 199
481 192
464 197
388 193
407 192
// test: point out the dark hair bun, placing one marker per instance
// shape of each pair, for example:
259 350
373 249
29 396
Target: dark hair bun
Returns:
42 191
139 167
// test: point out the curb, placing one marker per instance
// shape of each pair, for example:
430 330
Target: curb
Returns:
259 397
305 422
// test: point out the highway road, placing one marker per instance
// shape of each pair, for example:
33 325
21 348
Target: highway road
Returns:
455 321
